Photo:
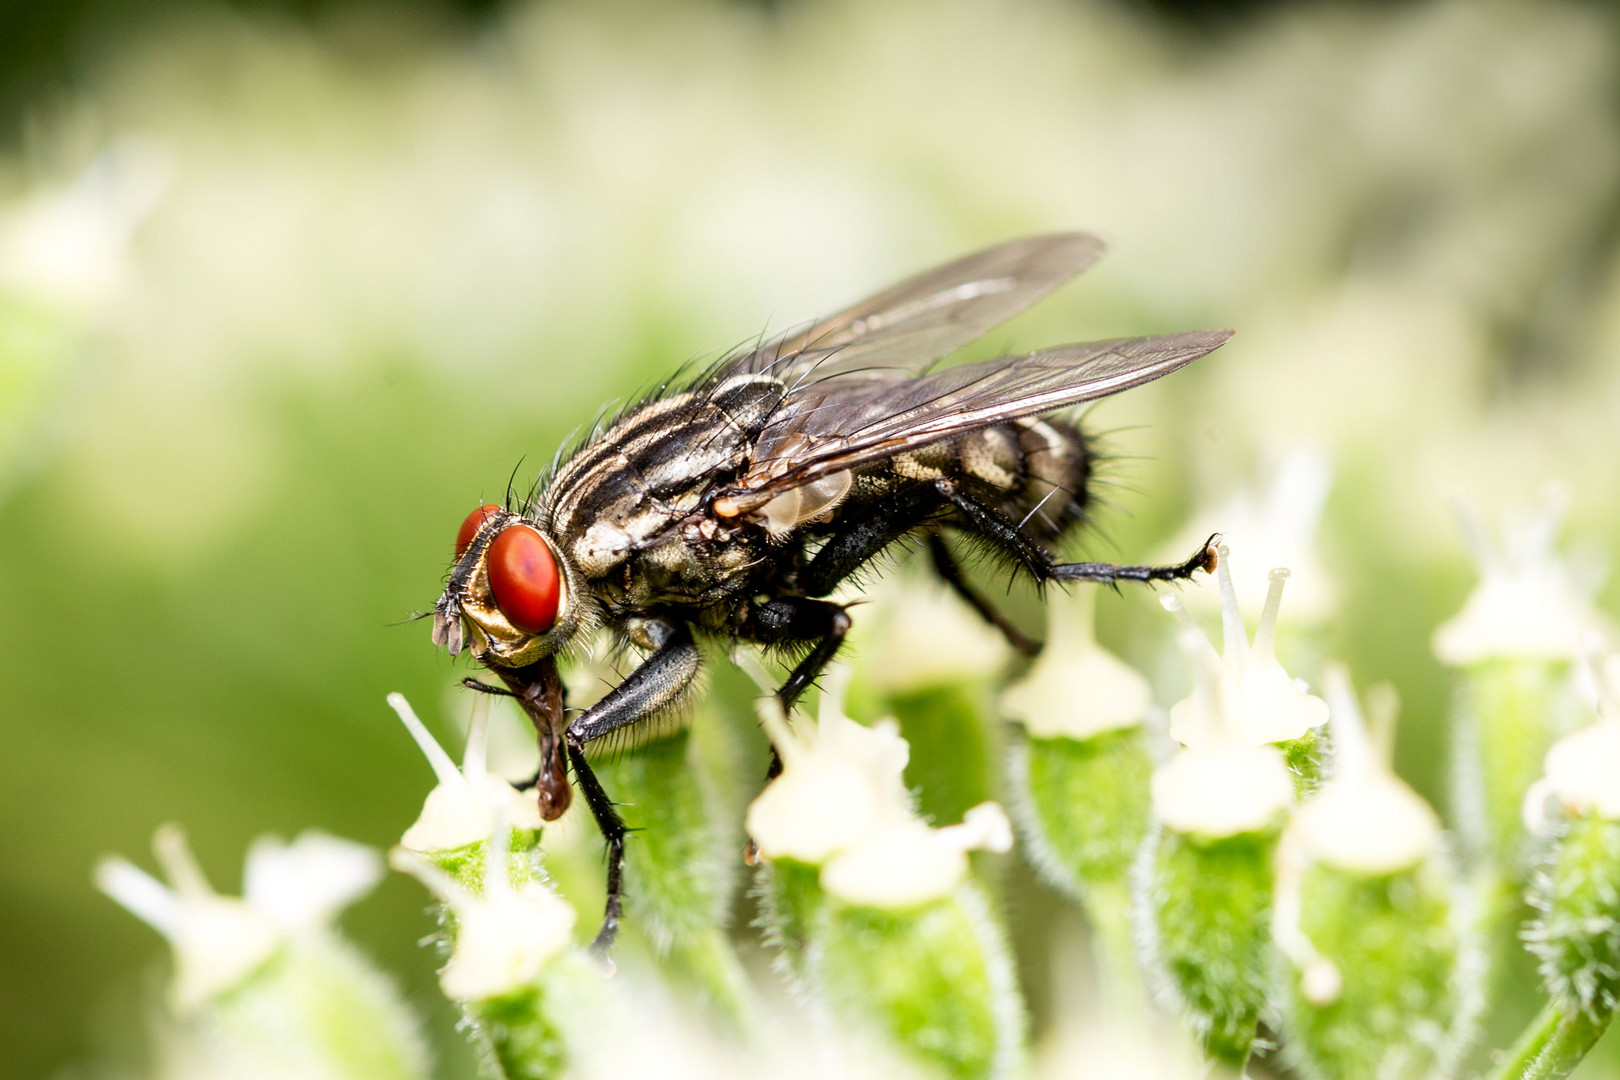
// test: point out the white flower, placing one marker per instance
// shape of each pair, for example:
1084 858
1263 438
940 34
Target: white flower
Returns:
1583 768
924 635
505 936
1076 689
841 804
841 781
1365 819
463 808
288 889
908 863
1244 696
1276 526
1221 791
1229 779
1526 604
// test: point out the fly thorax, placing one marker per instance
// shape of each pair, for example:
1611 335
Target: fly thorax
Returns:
601 547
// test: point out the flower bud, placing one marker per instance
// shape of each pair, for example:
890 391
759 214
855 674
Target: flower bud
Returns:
1515 641
1204 888
1380 961
459 815
1247 698
263 987
1576 892
1080 778
1204 909
681 859
506 928
927 660
873 910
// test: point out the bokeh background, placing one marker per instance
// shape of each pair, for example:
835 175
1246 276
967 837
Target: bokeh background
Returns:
287 288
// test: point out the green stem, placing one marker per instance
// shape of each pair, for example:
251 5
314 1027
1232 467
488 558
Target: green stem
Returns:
1553 1045
1108 907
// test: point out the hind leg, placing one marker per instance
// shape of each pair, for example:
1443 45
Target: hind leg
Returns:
1000 530
946 566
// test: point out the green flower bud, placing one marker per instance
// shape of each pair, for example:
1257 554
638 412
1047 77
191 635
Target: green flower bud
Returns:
1576 935
1204 911
927 660
1204 889
1380 960
680 862
1080 779
1515 641
872 908
936 980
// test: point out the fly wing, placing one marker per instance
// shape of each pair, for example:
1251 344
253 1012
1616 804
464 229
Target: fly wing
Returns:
841 422
908 326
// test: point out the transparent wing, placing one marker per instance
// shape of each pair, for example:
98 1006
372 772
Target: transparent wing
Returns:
904 328
840 422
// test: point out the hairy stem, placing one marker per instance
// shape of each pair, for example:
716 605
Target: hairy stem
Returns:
1553 1044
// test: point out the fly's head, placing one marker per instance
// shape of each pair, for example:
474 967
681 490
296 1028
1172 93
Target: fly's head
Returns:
511 597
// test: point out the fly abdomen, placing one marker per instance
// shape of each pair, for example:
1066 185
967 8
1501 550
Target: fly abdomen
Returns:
1036 469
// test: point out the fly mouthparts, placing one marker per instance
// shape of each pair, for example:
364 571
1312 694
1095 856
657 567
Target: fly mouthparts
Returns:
447 632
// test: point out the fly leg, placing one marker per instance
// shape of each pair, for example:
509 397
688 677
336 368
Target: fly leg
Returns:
794 620
791 620
1000 530
654 686
946 567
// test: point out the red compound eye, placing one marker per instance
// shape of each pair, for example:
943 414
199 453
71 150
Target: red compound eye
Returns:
523 576
469 528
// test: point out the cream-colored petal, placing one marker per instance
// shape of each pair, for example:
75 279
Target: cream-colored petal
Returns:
1221 792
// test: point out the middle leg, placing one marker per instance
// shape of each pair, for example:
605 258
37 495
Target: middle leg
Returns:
796 620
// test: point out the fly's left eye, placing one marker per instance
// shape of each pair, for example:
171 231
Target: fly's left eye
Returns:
469 528
524 579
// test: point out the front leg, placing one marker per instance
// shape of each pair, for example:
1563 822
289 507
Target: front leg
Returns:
648 690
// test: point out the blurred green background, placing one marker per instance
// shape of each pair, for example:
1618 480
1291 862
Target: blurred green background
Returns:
288 288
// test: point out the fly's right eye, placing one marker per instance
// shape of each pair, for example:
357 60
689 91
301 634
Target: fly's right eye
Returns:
469 528
523 576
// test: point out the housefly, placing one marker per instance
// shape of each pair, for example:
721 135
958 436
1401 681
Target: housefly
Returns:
731 504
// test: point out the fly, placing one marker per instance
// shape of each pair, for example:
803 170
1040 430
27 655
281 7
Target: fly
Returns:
732 505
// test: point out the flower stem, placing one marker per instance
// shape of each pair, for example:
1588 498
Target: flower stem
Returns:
1108 906
1553 1044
